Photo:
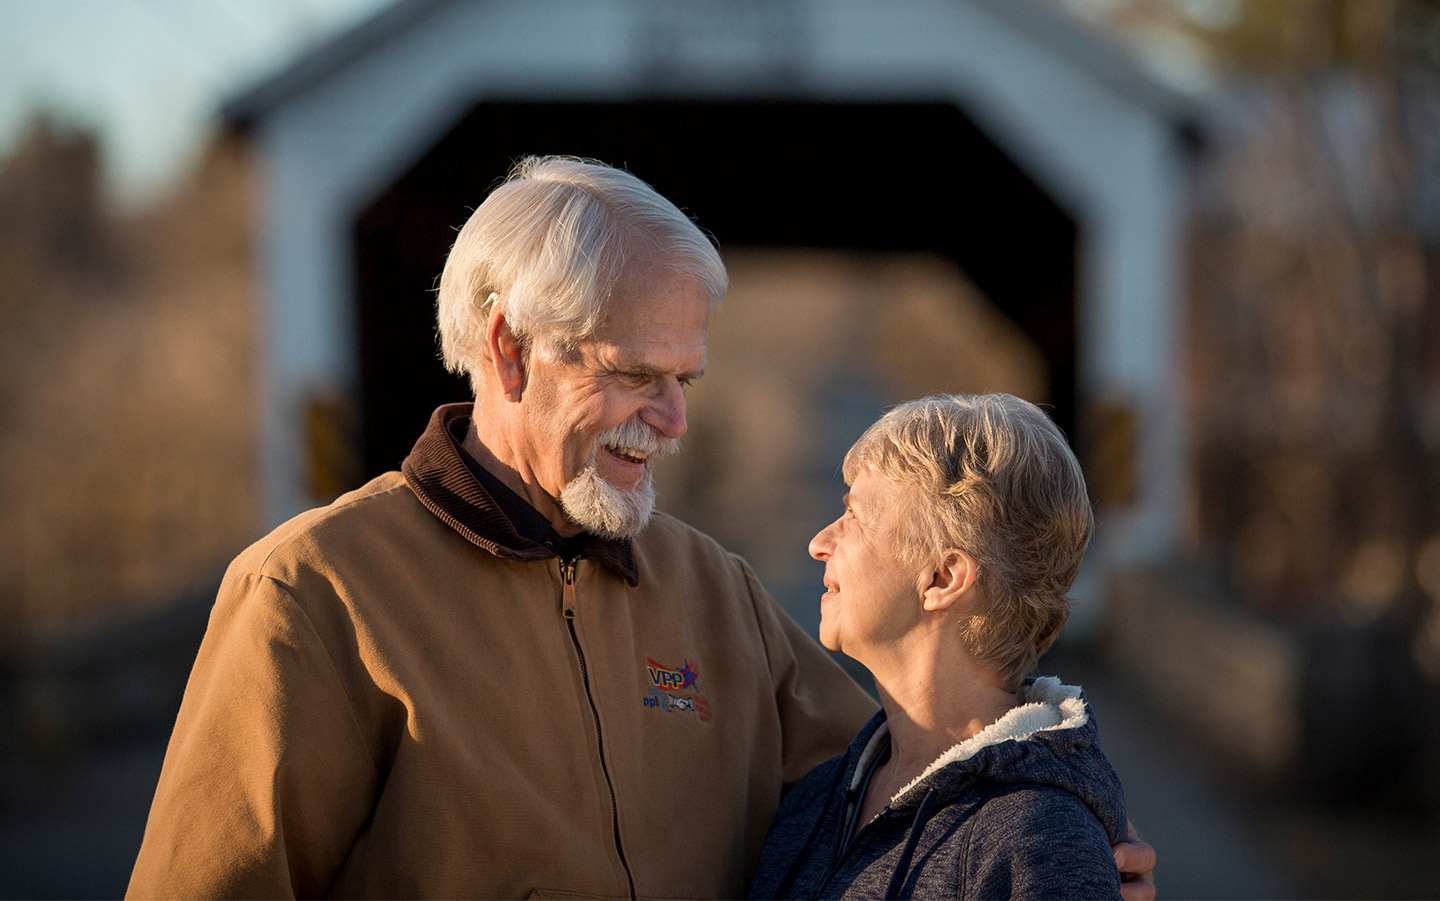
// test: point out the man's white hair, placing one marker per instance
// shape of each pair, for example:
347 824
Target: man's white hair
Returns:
548 246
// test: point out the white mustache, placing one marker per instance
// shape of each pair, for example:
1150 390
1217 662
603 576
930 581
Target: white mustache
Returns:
638 439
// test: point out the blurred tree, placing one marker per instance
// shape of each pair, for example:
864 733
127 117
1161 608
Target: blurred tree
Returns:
1315 311
126 383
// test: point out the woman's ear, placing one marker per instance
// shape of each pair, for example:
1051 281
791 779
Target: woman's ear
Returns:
953 577
508 360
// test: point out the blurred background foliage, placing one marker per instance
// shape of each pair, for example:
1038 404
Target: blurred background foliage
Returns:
127 359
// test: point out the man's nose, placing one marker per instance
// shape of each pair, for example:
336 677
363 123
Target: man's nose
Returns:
666 411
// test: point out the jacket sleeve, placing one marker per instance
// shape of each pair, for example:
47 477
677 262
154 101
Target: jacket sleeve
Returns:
1038 843
268 777
820 706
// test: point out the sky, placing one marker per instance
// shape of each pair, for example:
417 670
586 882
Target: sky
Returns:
148 75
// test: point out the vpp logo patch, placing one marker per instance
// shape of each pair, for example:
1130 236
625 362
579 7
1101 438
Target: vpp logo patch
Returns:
667 679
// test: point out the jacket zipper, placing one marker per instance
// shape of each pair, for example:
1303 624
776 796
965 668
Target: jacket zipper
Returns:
567 578
923 815
844 847
849 836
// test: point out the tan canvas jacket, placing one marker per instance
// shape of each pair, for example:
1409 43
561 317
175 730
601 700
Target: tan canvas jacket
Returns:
398 696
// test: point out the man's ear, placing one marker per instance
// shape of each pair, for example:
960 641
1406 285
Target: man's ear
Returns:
508 362
952 579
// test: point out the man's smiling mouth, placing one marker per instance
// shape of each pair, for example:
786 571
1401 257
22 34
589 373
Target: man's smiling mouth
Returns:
628 454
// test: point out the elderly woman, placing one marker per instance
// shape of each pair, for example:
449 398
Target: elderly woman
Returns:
946 577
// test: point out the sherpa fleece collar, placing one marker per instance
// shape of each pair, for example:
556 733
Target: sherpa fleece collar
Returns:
444 484
1046 704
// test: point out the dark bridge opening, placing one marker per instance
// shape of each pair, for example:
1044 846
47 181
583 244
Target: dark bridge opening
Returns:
890 177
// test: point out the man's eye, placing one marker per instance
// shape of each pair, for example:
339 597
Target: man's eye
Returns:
631 379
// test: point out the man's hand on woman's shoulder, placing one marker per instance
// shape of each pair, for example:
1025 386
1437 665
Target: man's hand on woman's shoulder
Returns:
1136 861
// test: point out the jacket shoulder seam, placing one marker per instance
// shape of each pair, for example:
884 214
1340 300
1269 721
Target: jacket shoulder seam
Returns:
317 517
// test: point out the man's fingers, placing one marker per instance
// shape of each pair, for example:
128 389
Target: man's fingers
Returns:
1134 857
1141 888
1136 861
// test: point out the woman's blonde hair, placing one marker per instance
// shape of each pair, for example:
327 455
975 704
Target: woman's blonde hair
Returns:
992 476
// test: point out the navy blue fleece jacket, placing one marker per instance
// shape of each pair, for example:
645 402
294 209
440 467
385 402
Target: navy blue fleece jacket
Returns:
1028 808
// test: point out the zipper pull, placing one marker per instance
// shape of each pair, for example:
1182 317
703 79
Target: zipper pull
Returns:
567 591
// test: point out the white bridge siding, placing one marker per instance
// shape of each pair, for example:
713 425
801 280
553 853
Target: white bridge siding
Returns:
1100 137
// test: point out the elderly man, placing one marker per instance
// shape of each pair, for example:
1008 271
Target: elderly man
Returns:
496 674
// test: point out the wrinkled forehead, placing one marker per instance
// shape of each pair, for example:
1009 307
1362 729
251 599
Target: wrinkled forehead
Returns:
878 496
656 306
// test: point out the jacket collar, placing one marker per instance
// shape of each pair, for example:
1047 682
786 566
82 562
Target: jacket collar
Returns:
446 486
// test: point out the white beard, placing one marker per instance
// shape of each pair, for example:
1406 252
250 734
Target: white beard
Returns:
604 509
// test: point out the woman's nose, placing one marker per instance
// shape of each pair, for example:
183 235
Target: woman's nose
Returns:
822 543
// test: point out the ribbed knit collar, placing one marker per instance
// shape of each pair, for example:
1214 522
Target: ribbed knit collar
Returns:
437 474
